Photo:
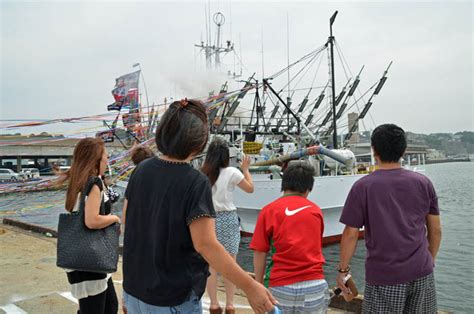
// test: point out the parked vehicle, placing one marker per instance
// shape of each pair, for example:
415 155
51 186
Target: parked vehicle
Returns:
10 175
31 173
64 168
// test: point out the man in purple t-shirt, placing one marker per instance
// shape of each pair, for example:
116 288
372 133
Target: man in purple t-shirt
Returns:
398 209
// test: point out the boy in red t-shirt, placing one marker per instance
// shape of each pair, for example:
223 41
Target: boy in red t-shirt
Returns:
291 229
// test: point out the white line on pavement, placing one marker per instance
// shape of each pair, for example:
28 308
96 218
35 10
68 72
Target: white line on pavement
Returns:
12 309
206 303
68 296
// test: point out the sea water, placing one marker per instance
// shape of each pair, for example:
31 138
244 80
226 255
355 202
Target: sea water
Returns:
454 275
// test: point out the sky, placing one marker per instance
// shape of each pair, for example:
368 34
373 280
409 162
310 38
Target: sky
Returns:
60 59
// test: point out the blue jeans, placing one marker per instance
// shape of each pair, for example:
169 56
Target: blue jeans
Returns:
135 306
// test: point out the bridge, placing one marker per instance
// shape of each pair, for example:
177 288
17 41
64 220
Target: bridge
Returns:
43 153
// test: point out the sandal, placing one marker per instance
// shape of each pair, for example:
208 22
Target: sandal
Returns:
215 311
230 311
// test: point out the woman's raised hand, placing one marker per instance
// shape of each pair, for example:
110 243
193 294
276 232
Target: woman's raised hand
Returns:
245 164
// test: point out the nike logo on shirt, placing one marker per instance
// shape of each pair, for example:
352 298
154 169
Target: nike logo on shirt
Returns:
295 211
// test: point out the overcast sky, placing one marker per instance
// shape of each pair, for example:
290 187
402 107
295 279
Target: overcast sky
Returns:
60 59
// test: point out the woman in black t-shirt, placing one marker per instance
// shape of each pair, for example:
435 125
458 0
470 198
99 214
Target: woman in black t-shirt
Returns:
170 235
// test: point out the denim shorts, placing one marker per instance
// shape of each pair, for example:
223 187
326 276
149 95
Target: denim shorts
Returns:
135 306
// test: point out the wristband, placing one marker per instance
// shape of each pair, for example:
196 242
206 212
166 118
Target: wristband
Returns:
346 270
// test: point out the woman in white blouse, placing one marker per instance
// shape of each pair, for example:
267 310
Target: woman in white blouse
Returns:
224 179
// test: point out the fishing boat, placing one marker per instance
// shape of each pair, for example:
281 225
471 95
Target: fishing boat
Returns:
274 120
278 131
274 128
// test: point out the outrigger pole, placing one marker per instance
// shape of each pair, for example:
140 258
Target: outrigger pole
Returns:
113 133
367 106
298 120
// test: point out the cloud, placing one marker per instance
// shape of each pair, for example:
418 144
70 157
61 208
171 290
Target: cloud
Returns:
61 59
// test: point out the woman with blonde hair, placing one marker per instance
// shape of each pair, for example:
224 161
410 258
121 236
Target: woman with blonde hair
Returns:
95 291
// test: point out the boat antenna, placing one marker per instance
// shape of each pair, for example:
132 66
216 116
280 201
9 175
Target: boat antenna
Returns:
333 81
231 38
144 83
207 30
288 49
219 20
209 20
263 72
263 57
137 64
241 57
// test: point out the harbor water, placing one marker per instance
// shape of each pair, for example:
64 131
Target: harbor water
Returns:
454 274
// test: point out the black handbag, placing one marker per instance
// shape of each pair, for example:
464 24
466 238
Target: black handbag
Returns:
84 249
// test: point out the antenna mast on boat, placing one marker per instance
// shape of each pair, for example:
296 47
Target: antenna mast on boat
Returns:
288 97
137 64
333 81
207 49
219 20
288 50
263 57
215 49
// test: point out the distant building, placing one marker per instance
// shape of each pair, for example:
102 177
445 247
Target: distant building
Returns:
414 154
353 119
434 154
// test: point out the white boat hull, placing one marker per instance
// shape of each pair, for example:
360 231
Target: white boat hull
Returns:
329 193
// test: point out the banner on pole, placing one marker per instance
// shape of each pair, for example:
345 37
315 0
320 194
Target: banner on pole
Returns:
125 91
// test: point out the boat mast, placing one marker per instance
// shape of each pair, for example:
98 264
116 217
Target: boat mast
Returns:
219 20
144 83
215 49
288 97
333 81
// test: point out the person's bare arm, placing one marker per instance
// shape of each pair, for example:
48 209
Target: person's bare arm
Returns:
247 183
205 242
92 217
124 211
259 265
433 233
348 245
